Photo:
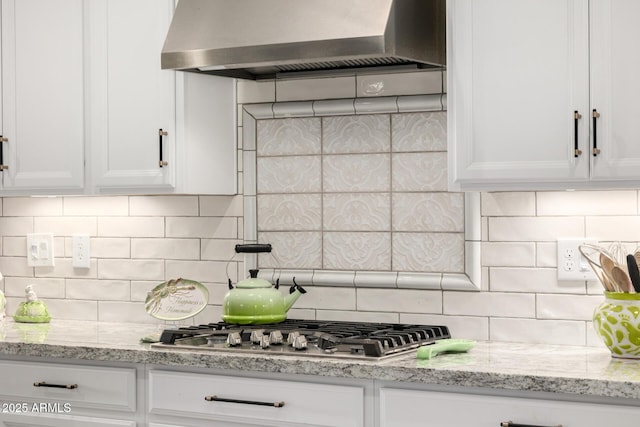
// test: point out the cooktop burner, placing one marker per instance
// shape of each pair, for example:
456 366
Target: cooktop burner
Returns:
360 340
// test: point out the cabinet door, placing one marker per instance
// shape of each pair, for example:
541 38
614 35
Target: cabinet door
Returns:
518 70
615 86
412 408
132 98
43 51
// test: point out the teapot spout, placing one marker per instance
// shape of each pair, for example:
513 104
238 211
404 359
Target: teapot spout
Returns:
295 292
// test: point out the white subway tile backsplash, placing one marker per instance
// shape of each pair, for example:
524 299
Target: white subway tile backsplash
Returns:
201 271
32 206
165 248
514 229
465 327
120 311
101 290
16 226
129 227
104 247
218 249
70 309
250 91
15 266
95 206
561 332
546 254
131 269
201 227
489 304
358 316
163 205
324 298
400 84
66 226
221 206
509 254
399 300
508 204
47 287
534 280
587 203
567 307
613 228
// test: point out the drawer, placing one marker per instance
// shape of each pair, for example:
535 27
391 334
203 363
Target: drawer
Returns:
186 394
95 387
412 408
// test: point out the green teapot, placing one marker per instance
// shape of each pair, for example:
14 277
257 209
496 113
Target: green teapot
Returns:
257 301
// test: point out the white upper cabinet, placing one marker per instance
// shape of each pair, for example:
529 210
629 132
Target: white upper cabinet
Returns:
132 98
43 95
526 79
86 108
615 88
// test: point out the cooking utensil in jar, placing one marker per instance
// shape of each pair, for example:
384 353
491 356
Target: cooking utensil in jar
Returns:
634 274
607 265
621 279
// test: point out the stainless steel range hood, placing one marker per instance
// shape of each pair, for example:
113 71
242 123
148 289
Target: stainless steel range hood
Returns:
257 39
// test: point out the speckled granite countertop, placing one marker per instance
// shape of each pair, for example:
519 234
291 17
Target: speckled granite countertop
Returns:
582 371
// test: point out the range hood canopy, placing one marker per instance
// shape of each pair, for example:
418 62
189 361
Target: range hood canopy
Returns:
257 39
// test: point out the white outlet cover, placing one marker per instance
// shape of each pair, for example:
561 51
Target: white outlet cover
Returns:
80 251
40 250
571 264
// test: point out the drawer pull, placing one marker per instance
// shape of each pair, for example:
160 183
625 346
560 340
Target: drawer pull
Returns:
246 402
44 384
512 424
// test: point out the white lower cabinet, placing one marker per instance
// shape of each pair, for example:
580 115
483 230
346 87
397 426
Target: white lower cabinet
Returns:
413 408
238 401
60 394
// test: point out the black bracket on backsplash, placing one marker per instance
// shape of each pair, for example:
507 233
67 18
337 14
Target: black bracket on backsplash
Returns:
253 248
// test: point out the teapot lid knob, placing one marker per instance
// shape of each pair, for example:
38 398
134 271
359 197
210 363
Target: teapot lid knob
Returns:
253 274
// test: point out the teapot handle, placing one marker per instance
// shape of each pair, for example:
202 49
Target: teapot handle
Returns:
253 248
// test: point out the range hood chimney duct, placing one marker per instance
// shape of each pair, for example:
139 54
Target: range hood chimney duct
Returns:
265 39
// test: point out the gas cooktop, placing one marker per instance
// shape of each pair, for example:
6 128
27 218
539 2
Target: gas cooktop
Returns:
359 340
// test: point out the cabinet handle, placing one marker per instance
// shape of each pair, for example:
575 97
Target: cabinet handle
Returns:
595 116
44 384
2 165
246 402
162 133
512 424
576 116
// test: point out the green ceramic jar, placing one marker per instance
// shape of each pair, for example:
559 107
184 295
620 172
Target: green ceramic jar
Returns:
617 322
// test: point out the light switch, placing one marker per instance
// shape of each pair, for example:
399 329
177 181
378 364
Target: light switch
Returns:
40 250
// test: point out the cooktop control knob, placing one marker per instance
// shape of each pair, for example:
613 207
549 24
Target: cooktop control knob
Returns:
292 336
264 341
275 337
256 336
300 342
234 339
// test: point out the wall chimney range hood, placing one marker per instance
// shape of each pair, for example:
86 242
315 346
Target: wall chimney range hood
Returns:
265 39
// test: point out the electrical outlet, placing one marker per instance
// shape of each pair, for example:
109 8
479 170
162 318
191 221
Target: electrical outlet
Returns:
80 251
40 250
571 264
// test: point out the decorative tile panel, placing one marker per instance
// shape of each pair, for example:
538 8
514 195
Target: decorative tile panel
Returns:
429 252
279 137
291 174
428 212
356 134
419 132
357 251
356 172
357 211
292 250
419 171
289 212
